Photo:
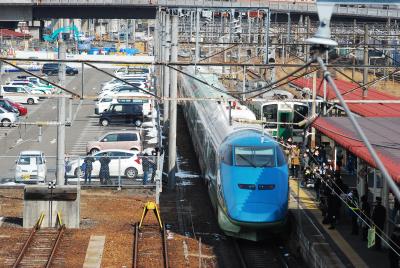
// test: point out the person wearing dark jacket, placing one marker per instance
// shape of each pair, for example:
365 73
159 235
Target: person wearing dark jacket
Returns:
366 212
88 168
379 218
394 249
105 169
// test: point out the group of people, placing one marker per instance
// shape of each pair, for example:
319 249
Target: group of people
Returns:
318 172
104 174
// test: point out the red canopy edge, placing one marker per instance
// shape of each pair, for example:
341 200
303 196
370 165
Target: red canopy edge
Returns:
353 144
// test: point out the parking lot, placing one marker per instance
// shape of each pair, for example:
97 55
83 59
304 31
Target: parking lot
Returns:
84 127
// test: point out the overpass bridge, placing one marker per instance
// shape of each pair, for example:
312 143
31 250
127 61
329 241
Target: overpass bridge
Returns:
27 10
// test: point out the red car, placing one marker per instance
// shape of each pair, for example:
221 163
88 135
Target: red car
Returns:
21 109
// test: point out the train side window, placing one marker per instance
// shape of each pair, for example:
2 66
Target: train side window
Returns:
226 155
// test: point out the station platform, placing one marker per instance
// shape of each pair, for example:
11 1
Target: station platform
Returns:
349 250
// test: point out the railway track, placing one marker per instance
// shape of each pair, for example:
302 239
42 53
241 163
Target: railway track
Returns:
260 254
150 247
40 247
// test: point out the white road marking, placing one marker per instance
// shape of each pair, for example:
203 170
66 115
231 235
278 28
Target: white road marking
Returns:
53 141
53 107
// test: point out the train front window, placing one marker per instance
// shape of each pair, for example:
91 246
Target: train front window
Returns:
255 156
270 112
300 113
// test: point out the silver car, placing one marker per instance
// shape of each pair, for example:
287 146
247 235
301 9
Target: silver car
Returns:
7 118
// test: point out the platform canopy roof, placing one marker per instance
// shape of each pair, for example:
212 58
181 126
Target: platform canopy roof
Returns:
348 92
383 133
8 34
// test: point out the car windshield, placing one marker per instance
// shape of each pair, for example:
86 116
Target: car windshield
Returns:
30 160
255 156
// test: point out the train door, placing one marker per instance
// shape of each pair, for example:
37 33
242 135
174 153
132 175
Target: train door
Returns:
285 129
270 116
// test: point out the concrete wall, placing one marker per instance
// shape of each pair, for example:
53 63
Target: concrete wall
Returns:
70 212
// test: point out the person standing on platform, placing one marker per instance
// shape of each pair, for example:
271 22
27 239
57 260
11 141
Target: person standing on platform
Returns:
379 218
353 202
396 209
295 159
104 169
366 212
394 251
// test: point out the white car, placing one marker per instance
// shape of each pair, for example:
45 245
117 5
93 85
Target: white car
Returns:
118 83
31 167
130 166
122 89
104 103
18 94
7 118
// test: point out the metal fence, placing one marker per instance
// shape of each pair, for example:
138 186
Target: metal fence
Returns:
107 170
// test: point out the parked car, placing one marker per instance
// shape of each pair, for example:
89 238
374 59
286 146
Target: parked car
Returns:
122 89
36 81
52 69
145 72
115 83
7 106
123 113
130 165
104 103
18 94
21 109
31 167
7 118
32 87
125 140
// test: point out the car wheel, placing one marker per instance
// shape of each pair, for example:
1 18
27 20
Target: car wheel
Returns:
104 122
138 123
94 150
131 173
30 101
5 122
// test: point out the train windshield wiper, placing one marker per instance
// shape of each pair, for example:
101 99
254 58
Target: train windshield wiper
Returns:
247 160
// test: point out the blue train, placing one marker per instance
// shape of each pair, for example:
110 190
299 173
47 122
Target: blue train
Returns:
244 168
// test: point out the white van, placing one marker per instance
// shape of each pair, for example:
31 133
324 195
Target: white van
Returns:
18 94
105 102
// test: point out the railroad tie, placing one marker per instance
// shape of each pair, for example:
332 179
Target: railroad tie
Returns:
94 252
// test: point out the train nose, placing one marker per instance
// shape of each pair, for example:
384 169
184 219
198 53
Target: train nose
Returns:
256 212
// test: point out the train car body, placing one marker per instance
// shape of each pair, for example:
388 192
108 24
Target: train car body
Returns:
281 117
245 169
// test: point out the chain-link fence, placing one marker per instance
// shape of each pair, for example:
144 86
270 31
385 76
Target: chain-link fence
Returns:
119 169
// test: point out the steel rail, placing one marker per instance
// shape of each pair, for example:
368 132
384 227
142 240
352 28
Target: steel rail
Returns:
135 246
165 247
55 246
164 242
239 253
26 245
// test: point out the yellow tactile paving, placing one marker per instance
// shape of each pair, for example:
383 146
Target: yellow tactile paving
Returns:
308 203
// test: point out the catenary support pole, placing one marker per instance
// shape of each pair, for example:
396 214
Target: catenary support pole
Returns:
197 50
60 170
393 187
365 73
313 106
173 107
83 77
167 71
